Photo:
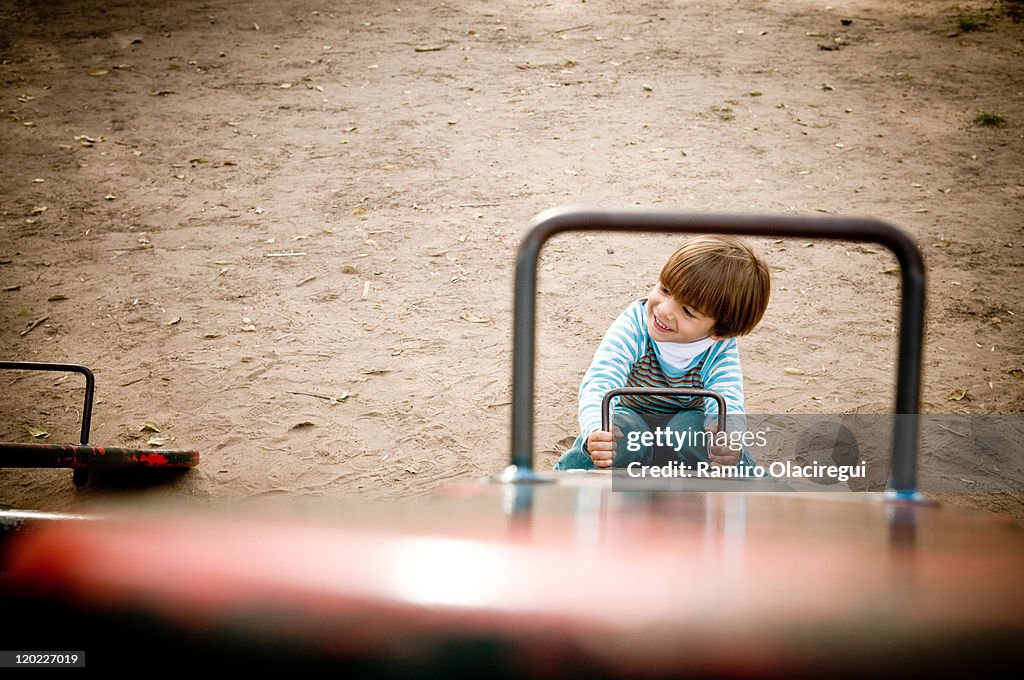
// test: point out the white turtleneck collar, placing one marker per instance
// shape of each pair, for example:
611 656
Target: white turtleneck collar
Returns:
680 355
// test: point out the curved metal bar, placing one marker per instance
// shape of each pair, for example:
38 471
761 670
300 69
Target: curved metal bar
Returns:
90 385
549 223
606 403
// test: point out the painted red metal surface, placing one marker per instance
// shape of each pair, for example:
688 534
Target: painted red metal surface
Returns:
566 576
89 457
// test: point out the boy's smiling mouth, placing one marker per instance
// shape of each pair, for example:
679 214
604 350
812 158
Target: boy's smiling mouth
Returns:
659 325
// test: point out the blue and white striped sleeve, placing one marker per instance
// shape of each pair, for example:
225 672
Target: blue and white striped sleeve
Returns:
622 346
723 374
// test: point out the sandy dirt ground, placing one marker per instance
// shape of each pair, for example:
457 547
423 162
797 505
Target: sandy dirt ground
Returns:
283 233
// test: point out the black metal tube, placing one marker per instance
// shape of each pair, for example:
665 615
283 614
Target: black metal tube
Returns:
89 457
606 402
549 223
90 385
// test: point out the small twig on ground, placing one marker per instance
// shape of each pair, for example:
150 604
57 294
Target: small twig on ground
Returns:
287 318
325 397
312 394
304 281
478 205
573 28
284 255
245 84
436 48
949 429
32 326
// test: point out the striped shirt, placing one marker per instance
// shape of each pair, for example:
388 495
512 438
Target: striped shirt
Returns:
628 357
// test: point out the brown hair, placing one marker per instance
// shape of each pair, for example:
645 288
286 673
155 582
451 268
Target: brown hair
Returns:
722 278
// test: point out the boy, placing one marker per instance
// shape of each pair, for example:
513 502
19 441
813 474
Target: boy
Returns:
683 334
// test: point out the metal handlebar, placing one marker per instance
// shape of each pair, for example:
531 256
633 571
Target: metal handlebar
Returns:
90 385
606 403
903 479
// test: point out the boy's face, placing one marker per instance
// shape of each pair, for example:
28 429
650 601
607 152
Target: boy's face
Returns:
668 321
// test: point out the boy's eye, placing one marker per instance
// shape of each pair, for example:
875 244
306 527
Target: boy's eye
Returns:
664 290
687 312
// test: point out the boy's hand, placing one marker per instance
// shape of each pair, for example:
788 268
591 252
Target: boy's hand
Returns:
721 455
601 446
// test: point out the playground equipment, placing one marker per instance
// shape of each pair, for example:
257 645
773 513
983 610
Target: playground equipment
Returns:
83 457
545 574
